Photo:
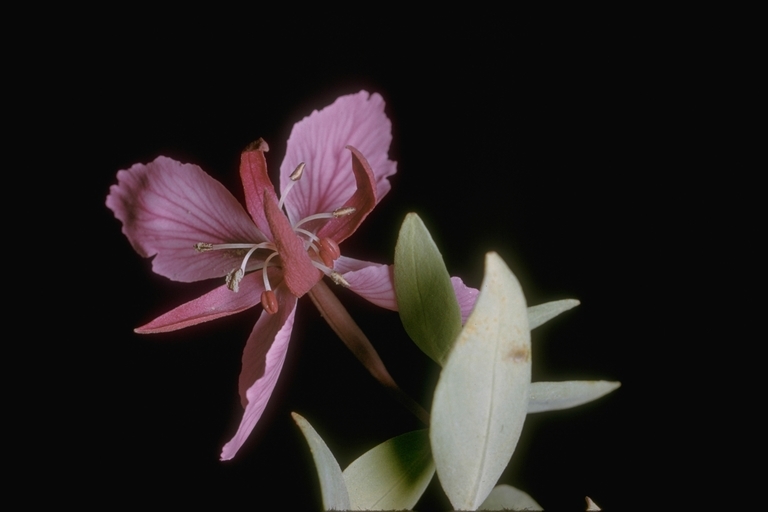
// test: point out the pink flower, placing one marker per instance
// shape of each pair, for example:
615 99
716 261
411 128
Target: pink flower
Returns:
196 229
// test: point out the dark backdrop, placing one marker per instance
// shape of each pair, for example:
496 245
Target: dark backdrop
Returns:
541 152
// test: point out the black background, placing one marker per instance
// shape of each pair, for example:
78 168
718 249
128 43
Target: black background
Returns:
545 152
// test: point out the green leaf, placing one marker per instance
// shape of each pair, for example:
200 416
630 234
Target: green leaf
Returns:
541 313
393 475
506 497
552 396
332 484
425 297
481 398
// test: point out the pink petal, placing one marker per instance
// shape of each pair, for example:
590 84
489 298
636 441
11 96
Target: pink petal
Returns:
262 361
256 182
375 282
372 281
319 140
299 273
217 303
466 297
167 207
363 201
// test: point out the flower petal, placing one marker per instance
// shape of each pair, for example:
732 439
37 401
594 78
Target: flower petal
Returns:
263 359
167 207
373 282
215 304
319 141
466 297
256 182
363 201
299 273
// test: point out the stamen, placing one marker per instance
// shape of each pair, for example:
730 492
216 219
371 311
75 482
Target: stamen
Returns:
344 211
335 276
204 246
328 251
233 279
269 301
264 271
338 279
295 176
338 212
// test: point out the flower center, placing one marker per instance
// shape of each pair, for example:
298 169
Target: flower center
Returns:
323 251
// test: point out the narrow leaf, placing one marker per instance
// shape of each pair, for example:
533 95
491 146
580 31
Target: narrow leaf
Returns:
481 398
506 497
425 297
541 313
552 396
393 475
332 485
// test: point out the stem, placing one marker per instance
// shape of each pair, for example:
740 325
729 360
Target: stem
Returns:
353 337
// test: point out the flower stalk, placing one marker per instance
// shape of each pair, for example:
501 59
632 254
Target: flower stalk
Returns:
355 339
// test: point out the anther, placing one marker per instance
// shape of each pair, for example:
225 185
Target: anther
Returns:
202 247
269 301
338 279
233 279
341 212
328 251
296 175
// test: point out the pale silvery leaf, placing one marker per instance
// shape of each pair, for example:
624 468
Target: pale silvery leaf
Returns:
332 484
552 396
542 313
481 398
506 497
393 475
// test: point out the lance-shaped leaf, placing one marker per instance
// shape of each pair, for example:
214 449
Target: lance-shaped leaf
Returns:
393 475
425 296
542 313
506 497
332 486
481 398
552 396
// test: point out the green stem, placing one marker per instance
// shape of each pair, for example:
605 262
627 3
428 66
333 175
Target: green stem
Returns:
353 337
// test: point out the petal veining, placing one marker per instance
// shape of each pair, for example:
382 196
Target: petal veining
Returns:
263 359
215 304
167 207
363 201
375 283
319 140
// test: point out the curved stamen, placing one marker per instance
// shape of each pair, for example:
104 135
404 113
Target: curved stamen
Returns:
338 212
264 271
295 176
335 276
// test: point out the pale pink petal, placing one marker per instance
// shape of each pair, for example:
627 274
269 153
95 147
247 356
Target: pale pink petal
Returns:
256 182
363 201
215 304
167 207
345 264
299 273
466 297
374 283
319 140
262 361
